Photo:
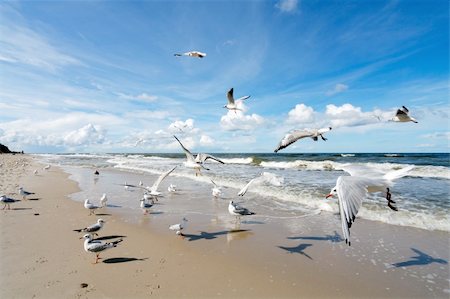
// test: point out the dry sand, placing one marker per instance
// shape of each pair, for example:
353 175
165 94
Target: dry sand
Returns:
42 257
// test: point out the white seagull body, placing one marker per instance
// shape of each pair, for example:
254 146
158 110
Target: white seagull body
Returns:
91 207
265 177
232 103
24 193
7 201
216 190
402 115
191 54
35 171
47 167
103 200
96 246
237 210
179 226
93 229
197 162
295 135
153 190
351 190
172 188
146 206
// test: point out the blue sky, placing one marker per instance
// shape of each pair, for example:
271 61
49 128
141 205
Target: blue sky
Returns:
100 76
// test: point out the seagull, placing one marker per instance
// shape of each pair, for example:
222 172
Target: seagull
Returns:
91 207
216 190
128 186
351 190
47 167
154 189
103 200
96 246
35 171
237 210
265 177
232 103
93 229
179 226
172 188
7 201
145 206
191 54
140 183
24 193
198 161
402 115
295 135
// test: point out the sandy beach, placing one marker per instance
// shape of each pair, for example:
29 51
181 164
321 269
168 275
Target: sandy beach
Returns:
42 257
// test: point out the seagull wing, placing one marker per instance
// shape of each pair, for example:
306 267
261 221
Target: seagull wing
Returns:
292 137
201 158
189 155
362 171
160 178
351 191
242 99
244 190
405 109
230 97
401 112
215 185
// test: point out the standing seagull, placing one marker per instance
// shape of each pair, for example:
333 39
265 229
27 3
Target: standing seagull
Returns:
91 207
24 193
7 201
154 189
145 206
295 135
238 211
179 226
103 200
47 167
191 54
402 115
265 177
96 246
351 190
232 103
93 229
197 162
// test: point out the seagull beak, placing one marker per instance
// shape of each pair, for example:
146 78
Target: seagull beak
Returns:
329 195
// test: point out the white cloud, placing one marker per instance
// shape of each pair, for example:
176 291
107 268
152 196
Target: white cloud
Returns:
179 126
438 135
348 115
236 120
301 114
89 134
287 5
338 88
425 145
205 140
146 97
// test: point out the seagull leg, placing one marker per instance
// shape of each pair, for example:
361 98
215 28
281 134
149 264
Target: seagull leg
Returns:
4 206
323 138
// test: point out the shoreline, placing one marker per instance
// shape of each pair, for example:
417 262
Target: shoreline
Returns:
211 260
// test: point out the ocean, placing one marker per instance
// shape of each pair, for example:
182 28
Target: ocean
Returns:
422 197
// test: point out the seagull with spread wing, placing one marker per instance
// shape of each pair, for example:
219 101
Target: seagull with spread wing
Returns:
153 190
191 54
265 177
295 135
402 115
351 190
232 103
198 161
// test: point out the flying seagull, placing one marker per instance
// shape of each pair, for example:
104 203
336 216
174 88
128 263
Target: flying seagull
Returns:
153 190
96 246
198 161
191 54
232 103
351 190
295 135
402 115
265 177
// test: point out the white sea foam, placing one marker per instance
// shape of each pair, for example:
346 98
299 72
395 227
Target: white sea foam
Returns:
347 155
248 160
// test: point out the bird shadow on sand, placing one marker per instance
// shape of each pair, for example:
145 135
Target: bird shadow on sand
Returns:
210 236
102 214
109 237
252 222
117 260
420 260
297 249
113 206
156 213
336 238
20 209
35 198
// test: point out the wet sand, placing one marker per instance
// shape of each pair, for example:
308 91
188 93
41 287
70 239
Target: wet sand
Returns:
43 257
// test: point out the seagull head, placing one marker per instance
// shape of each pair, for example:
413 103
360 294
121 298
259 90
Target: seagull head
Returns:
87 237
332 192
100 221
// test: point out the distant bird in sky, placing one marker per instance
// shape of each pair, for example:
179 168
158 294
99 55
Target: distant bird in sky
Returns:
96 246
92 229
91 207
238 211
402 115
295 135
232 103
351 190
198 161
7 201
191 54
24 193
265 177
103 200
179 226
